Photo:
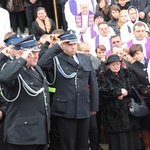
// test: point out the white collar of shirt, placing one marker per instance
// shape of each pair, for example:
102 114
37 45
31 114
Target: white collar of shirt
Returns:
139 42
143 42
95 27
104 37
105 41
142 61
76 59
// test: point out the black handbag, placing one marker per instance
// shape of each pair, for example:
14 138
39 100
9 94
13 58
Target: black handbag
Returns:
138 109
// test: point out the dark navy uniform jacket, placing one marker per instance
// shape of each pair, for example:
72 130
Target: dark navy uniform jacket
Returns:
27 122
72 99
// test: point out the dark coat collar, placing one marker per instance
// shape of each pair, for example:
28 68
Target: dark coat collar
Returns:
70 60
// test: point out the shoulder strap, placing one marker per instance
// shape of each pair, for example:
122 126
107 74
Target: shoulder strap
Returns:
137 94
62 71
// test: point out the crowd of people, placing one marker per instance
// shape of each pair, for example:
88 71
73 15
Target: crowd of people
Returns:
61 87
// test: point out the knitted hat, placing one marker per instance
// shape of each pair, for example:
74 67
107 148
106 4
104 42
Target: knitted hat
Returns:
97 14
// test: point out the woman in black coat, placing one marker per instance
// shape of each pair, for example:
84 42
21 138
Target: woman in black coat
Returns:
139 68
115 90
42 24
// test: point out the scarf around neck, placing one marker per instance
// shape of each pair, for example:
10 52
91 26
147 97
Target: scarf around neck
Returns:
44 24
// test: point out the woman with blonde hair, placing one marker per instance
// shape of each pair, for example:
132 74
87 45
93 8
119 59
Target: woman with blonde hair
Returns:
123 18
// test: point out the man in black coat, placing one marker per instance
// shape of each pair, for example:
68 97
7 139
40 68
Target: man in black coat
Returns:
5 56
73 102
48 4
60 4
27 120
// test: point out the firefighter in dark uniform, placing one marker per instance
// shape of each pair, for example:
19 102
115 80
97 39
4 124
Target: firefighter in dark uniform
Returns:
5 56
27 120
72 103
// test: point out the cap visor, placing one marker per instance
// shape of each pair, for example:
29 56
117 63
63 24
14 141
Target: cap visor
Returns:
35 48
73 41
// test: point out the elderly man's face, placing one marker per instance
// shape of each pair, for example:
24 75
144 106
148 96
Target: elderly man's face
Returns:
84 9
86 49
34 58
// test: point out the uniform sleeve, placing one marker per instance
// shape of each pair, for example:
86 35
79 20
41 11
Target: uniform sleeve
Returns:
11 71
46 60
3 59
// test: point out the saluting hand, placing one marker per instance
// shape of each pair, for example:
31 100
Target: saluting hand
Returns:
7 51
27 54
2 46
